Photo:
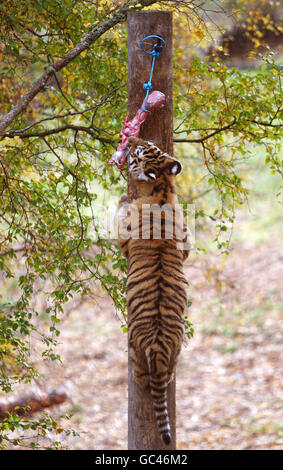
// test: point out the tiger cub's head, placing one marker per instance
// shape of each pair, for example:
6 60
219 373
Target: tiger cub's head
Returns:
148 163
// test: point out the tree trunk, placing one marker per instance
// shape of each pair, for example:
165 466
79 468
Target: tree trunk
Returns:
158 127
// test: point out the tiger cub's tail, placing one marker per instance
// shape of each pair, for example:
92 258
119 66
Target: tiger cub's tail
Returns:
158 376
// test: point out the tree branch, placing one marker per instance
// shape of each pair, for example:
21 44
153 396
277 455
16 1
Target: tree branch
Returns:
266 124
94 33
56 130
206 137
19 132
200 140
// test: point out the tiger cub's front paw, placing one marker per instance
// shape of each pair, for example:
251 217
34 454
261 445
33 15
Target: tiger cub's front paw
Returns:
123 199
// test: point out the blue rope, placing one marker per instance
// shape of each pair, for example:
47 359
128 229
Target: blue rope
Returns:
155 53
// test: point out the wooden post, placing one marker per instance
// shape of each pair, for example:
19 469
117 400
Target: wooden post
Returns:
142 428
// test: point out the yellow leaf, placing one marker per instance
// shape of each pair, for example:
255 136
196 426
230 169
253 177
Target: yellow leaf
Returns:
199 34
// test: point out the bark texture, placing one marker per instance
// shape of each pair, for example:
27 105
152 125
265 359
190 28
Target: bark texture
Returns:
142 428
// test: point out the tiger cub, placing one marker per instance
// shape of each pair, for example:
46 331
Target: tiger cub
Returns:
156 285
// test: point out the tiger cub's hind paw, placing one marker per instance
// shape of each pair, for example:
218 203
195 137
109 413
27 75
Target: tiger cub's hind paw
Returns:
142 380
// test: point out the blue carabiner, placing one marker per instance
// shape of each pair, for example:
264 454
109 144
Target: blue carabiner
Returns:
155 53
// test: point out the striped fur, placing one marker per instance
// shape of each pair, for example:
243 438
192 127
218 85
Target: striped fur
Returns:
156 286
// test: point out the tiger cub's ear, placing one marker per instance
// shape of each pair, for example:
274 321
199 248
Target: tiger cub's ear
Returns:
175 167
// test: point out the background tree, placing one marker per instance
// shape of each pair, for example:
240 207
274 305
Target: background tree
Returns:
63 100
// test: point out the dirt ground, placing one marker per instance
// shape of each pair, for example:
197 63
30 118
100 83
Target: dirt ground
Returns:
228 377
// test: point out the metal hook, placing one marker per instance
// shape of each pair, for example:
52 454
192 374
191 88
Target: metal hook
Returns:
158 48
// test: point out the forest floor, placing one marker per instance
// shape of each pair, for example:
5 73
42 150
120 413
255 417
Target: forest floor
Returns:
228 377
